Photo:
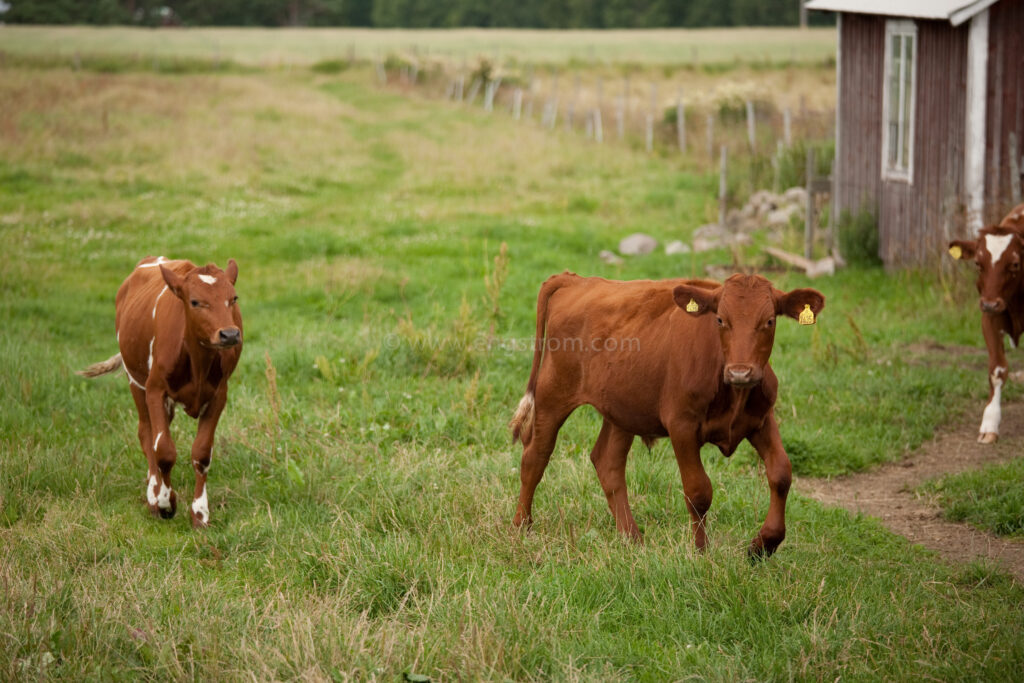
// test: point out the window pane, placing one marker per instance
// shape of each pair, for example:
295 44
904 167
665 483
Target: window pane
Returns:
908 82
893 124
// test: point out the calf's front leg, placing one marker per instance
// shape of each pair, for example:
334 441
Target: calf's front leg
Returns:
768 445
202 454
991 327
696 484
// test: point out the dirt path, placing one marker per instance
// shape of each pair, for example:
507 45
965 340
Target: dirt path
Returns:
887 492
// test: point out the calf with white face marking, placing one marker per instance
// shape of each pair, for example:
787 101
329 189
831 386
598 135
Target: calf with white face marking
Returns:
683 359
998 254
179 329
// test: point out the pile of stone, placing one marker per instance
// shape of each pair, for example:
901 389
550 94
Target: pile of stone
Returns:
764 211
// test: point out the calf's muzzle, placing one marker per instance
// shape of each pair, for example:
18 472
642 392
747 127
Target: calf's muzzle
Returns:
229 336
990 306
741 374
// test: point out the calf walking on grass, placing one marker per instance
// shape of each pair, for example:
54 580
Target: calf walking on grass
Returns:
998 253
179 330
686 359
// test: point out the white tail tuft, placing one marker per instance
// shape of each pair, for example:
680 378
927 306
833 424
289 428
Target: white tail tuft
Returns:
522 421
112 364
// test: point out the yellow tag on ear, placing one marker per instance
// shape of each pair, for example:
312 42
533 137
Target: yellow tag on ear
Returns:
692 307
956 252
806 316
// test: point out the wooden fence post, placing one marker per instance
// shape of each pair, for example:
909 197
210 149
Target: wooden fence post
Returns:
652 108
620 116
681 123
809 220
830 233
723 188
598 130
571 109
751 140
517 103
711 137
787 126
489 93
473 90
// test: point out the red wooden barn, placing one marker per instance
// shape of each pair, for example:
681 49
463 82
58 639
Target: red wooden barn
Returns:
929 117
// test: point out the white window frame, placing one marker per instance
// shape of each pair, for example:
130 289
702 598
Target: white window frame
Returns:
904 172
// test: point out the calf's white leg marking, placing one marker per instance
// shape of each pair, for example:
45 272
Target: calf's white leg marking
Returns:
154 483
163 499
150 361
201 507
996 245
208 279
993 411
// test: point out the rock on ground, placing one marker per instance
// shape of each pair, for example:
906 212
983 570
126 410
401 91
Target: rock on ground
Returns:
610 257
637 244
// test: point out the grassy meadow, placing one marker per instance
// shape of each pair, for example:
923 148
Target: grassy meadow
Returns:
305 46
390 250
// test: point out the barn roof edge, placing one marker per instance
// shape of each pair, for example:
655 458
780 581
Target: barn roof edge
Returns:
955 12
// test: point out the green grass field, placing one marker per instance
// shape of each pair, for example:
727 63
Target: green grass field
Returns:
305 46
990 498
363 478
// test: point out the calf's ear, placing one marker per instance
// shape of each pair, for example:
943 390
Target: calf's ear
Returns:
802 305
174 281
232 270
697 300
963 249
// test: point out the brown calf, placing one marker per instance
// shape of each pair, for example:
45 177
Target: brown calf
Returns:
998 253
686 359
180 334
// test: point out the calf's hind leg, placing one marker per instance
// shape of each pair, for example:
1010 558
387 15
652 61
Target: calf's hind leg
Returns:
161 497
535 459
157 499
609 458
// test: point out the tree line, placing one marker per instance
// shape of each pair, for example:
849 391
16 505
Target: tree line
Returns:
563 14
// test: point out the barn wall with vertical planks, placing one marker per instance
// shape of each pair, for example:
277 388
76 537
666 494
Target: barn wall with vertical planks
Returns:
915 219
860 113
1005 105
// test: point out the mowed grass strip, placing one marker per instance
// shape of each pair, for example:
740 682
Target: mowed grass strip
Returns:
363 477
991 498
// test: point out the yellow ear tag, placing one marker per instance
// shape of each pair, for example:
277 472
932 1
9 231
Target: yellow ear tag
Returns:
692 307
956 252
806 316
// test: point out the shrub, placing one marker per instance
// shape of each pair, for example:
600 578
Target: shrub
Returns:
858 238
330 66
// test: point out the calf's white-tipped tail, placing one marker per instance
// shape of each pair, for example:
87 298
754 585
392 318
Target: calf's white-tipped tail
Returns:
105 367
522 421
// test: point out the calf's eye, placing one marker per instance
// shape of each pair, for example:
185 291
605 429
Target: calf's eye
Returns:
719 321
195 303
